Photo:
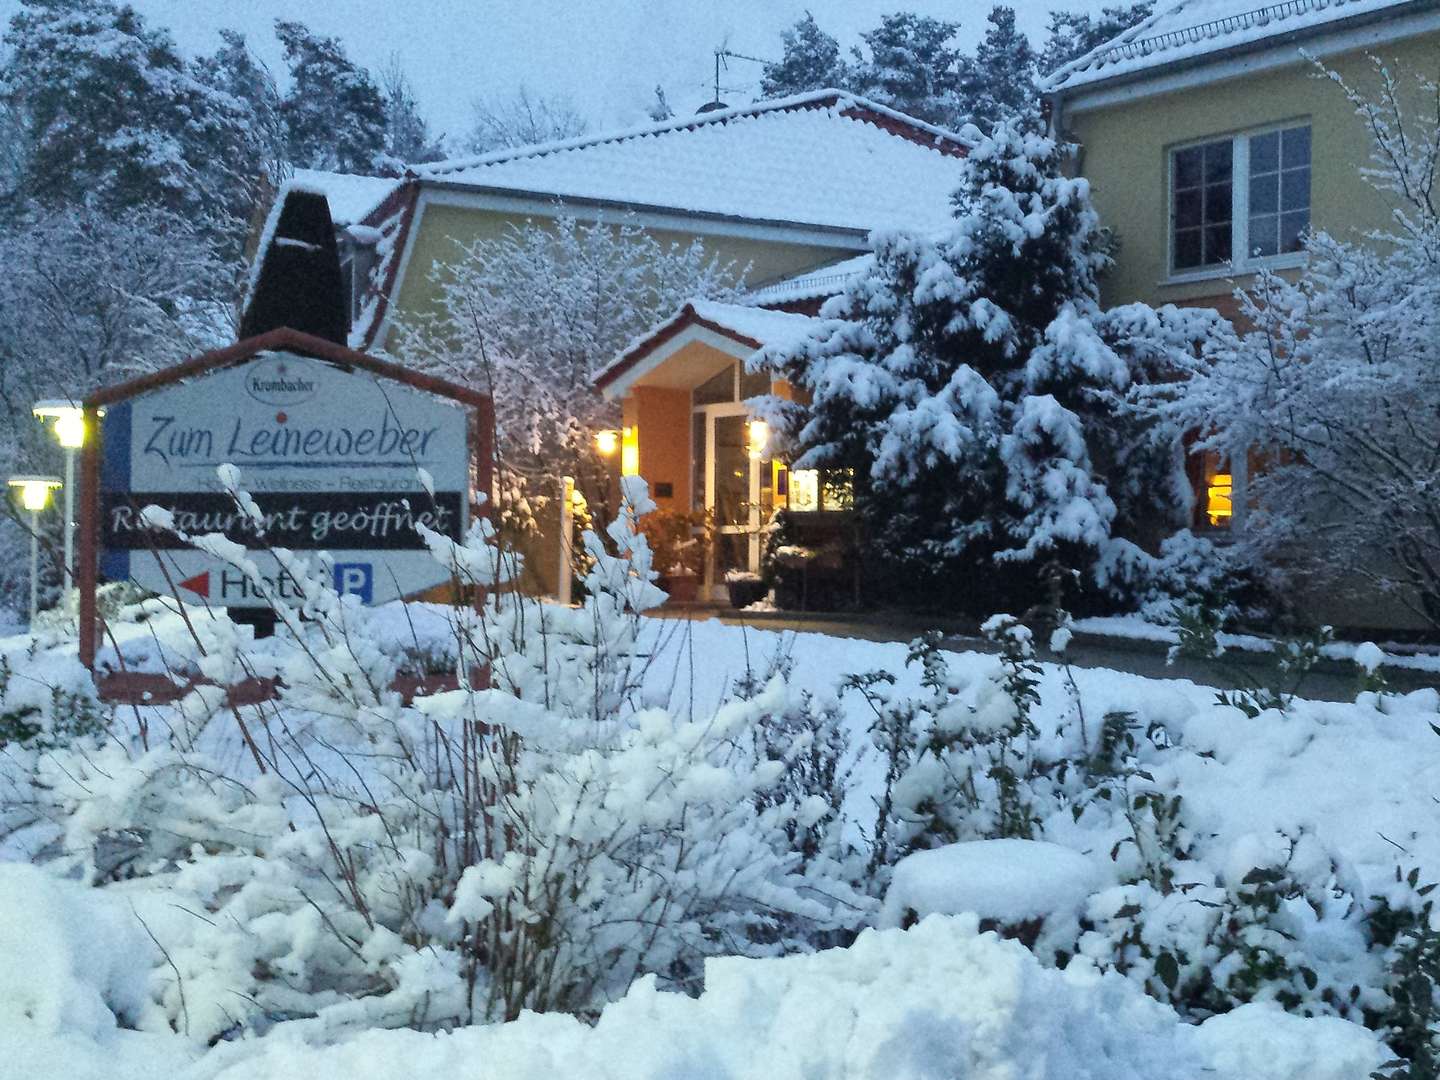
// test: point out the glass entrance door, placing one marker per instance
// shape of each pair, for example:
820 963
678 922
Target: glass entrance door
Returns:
728 480
731 498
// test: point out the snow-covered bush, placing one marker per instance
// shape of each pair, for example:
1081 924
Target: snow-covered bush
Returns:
1335 389
959 758
537 839
984 398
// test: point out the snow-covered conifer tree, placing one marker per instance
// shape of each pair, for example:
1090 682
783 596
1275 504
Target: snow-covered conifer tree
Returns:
1072 34
913 66
999 81
334 112
811 61
114 116
980 392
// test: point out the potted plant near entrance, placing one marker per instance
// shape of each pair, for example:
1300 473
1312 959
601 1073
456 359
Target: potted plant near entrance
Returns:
680 543
745 587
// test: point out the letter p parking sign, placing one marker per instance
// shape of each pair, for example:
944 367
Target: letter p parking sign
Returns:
357 578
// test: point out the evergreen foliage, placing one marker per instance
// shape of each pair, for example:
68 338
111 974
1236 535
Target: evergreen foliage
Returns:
1072 34
114 116
911 64
335 114
983 395
811 61
999 81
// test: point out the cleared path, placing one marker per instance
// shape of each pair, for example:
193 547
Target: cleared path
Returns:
1330 680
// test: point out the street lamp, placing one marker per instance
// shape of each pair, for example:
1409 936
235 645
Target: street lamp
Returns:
70 431
34 496
607 442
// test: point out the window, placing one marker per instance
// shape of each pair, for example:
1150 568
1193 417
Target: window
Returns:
1203 204
733 383
1247 194
1221 502
1279 191
810 490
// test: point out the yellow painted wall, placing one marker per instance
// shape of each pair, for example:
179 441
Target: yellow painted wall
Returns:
444 231
1125 154
662 419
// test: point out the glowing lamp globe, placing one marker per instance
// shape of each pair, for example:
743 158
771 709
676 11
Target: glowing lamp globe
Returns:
34 491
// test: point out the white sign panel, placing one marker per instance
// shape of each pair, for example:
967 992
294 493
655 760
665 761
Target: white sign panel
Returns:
332 455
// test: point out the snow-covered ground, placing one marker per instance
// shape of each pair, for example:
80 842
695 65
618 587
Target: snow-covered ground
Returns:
78 965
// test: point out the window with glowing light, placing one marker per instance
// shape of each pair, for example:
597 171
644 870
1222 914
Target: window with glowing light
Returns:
812 490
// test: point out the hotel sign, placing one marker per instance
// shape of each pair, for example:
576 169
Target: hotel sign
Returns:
337 458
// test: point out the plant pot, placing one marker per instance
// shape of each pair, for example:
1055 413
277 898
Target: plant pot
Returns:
745 591
683 588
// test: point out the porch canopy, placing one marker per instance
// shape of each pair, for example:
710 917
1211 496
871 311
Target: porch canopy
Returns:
687 429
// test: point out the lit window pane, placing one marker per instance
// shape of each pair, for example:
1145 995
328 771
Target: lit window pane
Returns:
1264 153
1264 235
1295 148
1292 228
837 489
804 490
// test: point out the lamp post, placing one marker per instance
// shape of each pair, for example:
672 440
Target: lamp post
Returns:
34 496
70 431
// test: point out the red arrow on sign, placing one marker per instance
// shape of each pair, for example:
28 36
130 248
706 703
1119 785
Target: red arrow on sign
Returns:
199 584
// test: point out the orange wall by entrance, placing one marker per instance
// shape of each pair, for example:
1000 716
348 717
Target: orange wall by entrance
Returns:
661 418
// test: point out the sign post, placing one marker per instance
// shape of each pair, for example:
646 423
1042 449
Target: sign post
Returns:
340 452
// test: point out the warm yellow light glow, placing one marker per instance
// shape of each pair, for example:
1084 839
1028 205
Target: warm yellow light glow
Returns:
34 490
69 421
759 437
70 430
630 452
804 490
1217 499
607 442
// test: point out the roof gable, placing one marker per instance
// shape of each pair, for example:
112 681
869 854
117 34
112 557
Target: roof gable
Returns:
1187 31
749 328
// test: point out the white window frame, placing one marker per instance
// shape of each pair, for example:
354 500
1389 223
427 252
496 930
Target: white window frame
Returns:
1239 206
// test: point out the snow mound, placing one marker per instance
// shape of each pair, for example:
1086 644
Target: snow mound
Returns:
71 958
1014 880
937 1001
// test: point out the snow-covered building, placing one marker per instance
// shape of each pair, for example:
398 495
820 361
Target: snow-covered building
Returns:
784 187
1213 143
789 189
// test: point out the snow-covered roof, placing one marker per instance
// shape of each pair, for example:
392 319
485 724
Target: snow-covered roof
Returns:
1192 29
752 328
755 324
351 198
826 158
823 281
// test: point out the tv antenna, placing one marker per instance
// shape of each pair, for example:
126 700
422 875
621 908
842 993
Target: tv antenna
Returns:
723 56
